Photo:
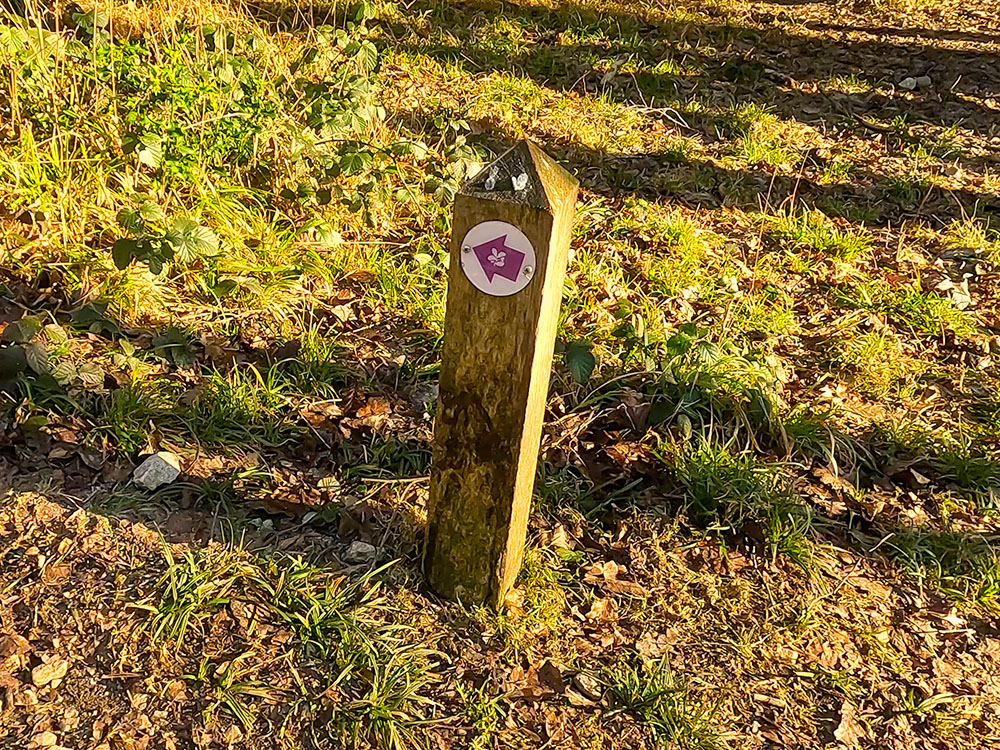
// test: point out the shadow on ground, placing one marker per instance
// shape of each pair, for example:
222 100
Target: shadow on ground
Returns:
667 57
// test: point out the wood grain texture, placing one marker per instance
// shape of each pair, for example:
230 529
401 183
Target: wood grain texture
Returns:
495 371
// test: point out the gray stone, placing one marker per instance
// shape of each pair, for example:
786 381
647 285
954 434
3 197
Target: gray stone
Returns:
923 82
424 397
908 84
360 553
157 470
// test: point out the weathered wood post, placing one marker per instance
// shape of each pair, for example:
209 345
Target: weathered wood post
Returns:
510 244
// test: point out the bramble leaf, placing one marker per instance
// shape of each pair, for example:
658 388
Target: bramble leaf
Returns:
151 151
23 330
123 251
580 360
190 240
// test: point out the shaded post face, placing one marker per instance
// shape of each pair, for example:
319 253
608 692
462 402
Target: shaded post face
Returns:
510 243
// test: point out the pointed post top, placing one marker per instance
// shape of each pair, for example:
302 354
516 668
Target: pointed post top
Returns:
524 175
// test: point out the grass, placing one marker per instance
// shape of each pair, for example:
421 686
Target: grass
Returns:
973 235
319 365
837 171
962 567
329 614
195 105
722 487
710 379
231 693
737 495
760 137
239 408
687 249
540 605
908 186
513 100
952 454
192 589
243 405
386 458
388 711
880 365
812 429
664 705
383 679
912 308
813 231
483 714
850 83
129 414
767 313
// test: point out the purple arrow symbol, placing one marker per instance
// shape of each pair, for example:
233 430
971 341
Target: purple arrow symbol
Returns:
499 260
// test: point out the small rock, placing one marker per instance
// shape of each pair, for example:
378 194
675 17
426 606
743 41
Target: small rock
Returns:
49 672
908 84
423 398
62 450
360 553
923 82
94 459
157 470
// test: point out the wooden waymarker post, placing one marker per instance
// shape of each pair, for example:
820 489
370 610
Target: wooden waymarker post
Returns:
510 244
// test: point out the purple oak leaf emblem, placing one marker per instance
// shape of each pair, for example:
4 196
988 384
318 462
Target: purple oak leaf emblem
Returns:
499 260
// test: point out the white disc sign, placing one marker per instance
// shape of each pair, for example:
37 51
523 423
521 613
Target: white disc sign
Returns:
498 258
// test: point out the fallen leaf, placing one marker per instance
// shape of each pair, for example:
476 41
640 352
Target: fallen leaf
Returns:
550 676
653 645
602 610
560 538
49 672
12 643
849 732
376 406
42 740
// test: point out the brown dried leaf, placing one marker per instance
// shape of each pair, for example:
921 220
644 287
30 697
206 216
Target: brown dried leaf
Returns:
377 406
49 672
654 645
560 538
849 732
551 677
628 588
8 682
11 644
602 610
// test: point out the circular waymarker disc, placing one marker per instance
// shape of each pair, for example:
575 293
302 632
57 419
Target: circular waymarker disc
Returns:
498 258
